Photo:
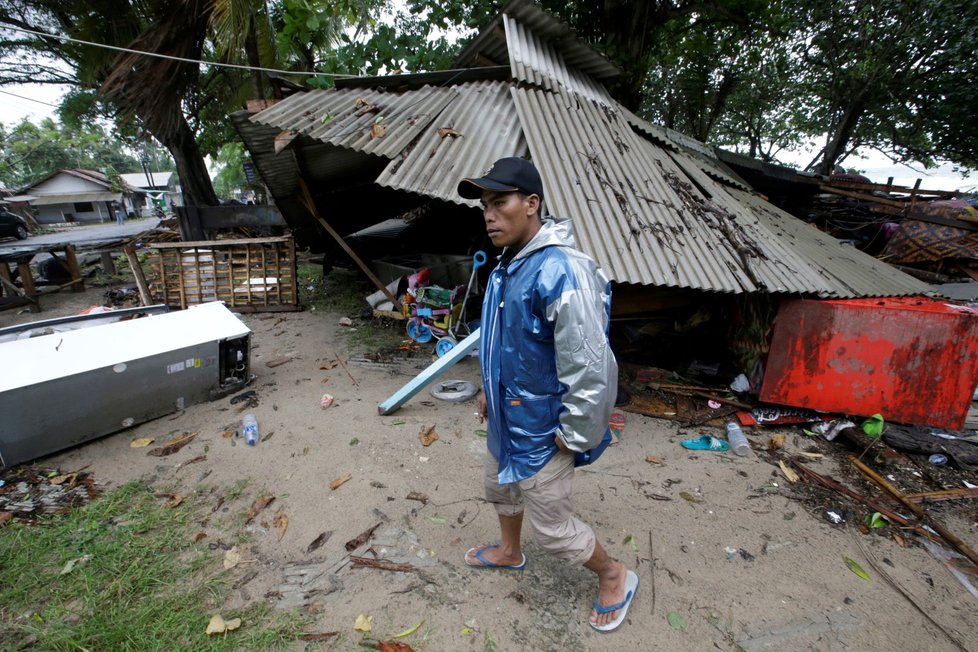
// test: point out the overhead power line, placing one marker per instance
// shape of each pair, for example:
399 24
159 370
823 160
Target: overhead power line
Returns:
30 99
167 56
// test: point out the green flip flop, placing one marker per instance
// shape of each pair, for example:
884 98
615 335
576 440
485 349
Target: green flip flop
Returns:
706 443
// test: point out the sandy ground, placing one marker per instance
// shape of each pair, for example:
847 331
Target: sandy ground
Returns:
787 586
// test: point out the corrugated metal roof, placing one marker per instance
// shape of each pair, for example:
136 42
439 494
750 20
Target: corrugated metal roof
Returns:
649 221
279 171
75 197
700 154
652 206
488 45
537 62
347 117
485 127
846 270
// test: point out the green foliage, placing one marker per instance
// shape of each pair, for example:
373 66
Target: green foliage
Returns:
135 580
231 177
29 152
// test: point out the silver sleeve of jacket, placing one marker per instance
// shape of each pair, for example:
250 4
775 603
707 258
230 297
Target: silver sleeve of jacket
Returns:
585 364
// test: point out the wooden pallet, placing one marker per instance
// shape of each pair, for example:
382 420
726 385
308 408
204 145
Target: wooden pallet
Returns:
248 275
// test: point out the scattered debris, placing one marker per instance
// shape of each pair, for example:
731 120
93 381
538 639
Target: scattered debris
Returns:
218 625
338 482
260 503
281 523
418 496
360 539
428 436
367 562
173 445
28 492
319 541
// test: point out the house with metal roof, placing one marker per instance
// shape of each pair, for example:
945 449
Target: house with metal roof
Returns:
653 207
152 189
73 195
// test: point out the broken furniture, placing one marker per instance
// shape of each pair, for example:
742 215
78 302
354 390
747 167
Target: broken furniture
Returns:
65 388
28 294
249 275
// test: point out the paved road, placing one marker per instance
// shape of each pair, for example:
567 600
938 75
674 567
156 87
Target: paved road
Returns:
82 236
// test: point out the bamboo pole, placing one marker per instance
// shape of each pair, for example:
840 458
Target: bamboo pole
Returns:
949 536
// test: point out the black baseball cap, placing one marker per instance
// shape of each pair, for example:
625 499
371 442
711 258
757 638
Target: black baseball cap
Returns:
509 174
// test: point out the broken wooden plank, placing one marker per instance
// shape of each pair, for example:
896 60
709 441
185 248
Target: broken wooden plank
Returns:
949 536
938 496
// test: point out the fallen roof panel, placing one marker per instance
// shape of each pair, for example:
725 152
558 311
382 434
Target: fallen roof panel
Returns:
653 216
367 120
538 62
477 127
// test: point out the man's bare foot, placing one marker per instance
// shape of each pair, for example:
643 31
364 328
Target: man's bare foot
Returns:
611 590
494 556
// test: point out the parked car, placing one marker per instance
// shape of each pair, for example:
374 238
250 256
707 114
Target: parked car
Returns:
12 225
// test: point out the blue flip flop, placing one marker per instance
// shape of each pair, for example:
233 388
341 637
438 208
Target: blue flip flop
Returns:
631 588
485 563
706 443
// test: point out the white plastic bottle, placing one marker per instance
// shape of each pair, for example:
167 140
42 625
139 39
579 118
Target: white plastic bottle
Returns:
250 424
738 442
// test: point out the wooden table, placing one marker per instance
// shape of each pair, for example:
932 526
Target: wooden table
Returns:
28 294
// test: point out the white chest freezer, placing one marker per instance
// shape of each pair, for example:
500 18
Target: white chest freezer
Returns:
65 388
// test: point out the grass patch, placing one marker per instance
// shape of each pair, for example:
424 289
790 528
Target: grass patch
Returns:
343 291
138 582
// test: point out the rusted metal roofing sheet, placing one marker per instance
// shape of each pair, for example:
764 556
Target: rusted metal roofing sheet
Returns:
537 62
477 127
490 45
363 119
648 220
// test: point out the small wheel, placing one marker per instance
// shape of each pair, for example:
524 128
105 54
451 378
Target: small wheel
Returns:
418 331
21 233
444 345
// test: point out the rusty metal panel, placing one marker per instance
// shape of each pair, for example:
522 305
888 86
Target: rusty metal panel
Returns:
914 361
367 120
477 127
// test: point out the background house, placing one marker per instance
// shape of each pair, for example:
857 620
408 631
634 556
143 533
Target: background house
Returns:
151 189
73 195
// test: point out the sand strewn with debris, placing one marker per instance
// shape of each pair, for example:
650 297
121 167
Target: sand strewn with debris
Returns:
721 541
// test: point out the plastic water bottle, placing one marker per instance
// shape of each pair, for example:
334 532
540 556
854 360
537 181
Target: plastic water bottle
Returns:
250 424
738 442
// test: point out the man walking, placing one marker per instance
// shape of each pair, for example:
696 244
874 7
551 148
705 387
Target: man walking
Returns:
550 382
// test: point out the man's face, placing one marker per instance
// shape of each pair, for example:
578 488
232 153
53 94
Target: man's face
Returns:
511 217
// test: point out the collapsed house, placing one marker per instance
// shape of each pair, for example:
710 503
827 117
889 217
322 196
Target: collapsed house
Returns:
700 261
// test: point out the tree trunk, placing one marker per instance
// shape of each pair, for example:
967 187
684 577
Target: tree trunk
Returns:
195 181
839 139
254 60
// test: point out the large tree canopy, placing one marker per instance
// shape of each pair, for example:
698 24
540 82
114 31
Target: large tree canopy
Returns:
29 152
183 105
764 76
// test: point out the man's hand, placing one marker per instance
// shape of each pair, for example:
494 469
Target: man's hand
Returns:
481 412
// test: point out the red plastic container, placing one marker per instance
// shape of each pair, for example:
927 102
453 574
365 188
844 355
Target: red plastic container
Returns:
913 360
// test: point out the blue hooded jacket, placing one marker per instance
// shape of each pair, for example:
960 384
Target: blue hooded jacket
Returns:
547 367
